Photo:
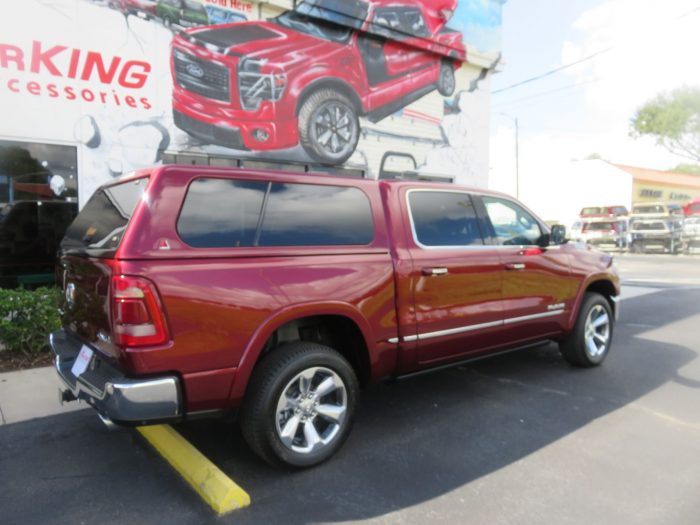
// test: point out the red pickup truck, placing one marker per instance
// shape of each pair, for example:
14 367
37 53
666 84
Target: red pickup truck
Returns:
306 76
195 291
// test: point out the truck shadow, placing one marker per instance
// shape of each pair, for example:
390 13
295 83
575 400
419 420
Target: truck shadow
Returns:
419 439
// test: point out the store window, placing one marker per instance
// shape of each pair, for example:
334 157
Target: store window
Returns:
38 201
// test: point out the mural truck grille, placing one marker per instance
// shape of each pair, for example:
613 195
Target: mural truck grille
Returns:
202 77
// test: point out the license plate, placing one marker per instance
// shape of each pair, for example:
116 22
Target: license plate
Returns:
82 361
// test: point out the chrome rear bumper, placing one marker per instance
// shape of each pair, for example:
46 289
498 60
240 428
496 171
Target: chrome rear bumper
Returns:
116 397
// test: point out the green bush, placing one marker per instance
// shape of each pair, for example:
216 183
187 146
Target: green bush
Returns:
27 318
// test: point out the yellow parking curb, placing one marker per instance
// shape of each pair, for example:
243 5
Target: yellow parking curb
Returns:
215 487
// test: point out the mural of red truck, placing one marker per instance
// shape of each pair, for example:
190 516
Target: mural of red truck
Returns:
306 76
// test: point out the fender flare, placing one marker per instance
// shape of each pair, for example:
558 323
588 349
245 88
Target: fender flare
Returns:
256 344
592 279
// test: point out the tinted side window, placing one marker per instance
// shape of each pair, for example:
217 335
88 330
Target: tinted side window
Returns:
444 219
221 213
310 215
512 225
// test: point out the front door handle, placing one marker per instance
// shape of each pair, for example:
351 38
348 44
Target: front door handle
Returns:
515 267
435 271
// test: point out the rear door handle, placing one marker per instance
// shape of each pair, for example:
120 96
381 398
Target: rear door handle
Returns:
435 271
515 267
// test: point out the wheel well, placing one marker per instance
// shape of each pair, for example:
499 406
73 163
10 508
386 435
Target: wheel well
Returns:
335 84
604 288
334 331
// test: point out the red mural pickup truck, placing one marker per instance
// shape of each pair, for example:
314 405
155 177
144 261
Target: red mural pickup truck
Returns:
195 291
306 76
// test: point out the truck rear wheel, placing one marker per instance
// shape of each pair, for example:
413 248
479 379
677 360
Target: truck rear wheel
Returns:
329 127
589 342
300 405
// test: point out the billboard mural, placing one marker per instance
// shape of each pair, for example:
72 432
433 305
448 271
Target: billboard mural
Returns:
323 82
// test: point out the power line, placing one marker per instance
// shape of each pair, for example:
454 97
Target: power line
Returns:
545 93
577 62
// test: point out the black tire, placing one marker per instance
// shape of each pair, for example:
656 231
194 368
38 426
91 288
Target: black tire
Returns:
575 348
446 82
272 379
329 127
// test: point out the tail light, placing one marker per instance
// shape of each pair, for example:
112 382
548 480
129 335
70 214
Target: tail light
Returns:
138 318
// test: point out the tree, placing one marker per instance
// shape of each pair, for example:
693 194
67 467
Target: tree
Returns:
690 169
673 119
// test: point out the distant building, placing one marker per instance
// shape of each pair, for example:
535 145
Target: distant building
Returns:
655 185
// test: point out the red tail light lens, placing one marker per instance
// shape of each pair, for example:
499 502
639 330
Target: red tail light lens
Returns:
137 313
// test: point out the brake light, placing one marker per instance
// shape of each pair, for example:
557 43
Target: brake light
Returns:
138 318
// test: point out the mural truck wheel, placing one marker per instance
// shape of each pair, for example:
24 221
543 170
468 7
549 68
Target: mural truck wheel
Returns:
446 82
329 127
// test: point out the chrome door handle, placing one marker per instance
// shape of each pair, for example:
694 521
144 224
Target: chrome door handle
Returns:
435 271
516 267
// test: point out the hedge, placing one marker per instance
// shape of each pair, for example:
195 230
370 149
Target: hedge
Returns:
27 318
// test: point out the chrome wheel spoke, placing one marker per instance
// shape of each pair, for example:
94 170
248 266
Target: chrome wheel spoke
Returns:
333 413
325 137
602 339
305 379
592 348
601 321
289 431
311 436
326 386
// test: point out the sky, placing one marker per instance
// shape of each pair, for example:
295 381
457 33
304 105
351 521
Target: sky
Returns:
585 109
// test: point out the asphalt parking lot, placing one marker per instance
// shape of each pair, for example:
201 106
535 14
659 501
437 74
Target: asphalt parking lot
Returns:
522 438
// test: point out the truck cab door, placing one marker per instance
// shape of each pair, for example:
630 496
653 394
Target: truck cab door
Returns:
538 289
455 278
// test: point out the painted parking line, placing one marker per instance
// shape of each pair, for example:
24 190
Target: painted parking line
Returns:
216 488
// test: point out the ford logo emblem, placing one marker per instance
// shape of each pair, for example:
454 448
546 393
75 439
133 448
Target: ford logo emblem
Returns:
70 295
195 70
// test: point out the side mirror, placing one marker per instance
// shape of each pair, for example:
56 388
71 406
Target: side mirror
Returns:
558 235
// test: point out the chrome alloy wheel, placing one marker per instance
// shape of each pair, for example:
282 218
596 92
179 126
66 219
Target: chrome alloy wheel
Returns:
335 129
597 332
311 410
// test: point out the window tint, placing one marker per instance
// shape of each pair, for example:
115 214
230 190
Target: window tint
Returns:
444 219
102 222
311 215
221 213
512 225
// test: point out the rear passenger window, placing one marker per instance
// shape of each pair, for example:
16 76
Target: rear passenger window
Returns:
221 213
444 219
312 215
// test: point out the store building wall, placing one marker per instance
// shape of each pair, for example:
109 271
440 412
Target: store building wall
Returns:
96 76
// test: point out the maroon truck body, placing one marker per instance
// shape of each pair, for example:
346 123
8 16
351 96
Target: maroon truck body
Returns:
401 307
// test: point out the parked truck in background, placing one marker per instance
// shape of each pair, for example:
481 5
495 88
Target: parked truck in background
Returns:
194 291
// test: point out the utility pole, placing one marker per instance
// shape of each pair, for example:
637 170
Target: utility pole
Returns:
517 159
517 153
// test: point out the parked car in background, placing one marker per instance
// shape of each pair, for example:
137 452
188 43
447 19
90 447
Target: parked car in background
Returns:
575 231
691 227
281 293
598 212
219 16
656 235
657 209
606 234
184 13
30 233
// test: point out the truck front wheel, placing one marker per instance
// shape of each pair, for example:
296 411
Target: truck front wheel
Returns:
300 405
329 127
589 342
